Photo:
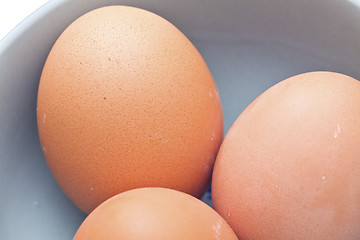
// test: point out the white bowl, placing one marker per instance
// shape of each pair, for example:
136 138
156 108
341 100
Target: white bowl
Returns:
248 46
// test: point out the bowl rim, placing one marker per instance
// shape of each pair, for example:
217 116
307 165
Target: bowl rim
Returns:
29 20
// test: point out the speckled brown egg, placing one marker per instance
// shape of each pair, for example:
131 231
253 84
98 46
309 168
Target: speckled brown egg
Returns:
289 168
125 101
154 214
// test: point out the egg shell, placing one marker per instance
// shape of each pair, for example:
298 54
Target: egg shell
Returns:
154 213
289 167
125 101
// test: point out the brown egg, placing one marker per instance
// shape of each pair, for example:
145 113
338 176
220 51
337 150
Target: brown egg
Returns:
126 101
153 214
289 168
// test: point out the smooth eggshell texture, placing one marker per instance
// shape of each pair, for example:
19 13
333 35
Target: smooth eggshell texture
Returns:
154 214
289 168
126 101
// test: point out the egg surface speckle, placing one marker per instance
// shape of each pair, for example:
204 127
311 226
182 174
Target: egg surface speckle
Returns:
289 168
125 101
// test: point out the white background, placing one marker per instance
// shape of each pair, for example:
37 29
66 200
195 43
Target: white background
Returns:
13 12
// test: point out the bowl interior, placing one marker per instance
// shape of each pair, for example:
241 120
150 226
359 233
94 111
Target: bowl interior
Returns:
248 45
